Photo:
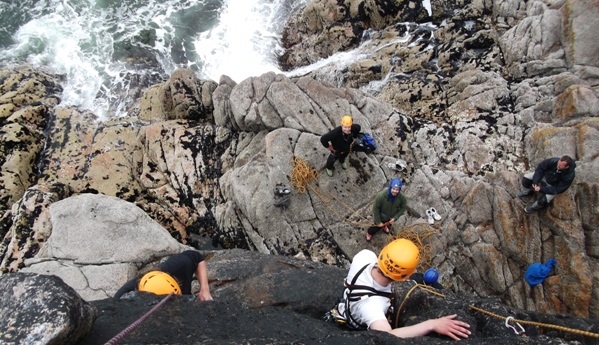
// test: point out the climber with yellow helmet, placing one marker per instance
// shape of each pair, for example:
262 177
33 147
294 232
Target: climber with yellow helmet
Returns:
339 142
174 275
368 292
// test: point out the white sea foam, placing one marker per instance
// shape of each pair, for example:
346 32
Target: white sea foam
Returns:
95 44
246 40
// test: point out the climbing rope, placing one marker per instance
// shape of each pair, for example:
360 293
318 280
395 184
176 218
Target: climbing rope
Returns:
418 234
134 325
302 174
538 324
302 177
420 286
531 323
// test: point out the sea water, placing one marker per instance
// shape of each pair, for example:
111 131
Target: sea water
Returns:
109 51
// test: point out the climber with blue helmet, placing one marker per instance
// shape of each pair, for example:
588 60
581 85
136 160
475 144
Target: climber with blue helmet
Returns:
389 205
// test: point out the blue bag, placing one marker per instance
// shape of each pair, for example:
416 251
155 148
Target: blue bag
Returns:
537 272
364 143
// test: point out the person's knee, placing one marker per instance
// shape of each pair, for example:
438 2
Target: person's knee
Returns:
526 183
543 201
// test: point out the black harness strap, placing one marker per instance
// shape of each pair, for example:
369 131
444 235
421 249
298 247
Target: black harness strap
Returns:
367 291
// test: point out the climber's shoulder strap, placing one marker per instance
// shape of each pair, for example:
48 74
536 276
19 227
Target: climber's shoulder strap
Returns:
357 293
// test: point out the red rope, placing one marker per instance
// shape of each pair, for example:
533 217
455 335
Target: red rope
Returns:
131 327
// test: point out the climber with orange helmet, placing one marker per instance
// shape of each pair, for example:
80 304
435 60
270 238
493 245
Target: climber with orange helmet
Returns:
339 142
368 292
174 275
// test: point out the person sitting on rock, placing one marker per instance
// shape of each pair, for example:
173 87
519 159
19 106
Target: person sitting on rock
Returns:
339 142
552 176
389 205
173 276
368 291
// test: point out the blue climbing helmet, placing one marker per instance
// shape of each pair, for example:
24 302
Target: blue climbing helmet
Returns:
395 183
430 276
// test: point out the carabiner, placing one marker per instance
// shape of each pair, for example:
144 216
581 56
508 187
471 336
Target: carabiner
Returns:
507 324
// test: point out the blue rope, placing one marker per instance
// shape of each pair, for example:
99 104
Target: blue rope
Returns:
131 327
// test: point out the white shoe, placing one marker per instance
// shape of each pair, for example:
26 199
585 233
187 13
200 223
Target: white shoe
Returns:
435 214
430 216
400 165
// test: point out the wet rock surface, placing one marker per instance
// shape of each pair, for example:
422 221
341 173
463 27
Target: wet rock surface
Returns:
469 103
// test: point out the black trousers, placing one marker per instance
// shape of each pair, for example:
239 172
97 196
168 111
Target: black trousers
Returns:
333 157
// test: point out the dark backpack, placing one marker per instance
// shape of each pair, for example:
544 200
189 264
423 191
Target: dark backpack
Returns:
364 143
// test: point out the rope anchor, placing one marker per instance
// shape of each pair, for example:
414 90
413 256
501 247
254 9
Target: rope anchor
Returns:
519 330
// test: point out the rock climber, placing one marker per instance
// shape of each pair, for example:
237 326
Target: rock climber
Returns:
552 176
368 291
173 275
339 142
389 205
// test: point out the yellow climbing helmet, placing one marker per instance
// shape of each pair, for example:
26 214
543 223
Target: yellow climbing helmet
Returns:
158 283
346 121
398 259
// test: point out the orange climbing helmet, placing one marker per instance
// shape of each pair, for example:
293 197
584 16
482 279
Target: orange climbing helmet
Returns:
346 121
398 259
158 283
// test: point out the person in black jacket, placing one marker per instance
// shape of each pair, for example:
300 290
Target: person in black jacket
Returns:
179 270
339 142
553 176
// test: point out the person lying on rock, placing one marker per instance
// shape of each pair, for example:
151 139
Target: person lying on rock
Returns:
173 276
368 291
552 176
389 205
339 142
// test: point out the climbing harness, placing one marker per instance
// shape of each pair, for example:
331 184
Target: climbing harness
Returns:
138 322
354 293
282 198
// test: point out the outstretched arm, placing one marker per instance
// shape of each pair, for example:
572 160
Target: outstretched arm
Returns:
202 276
446 325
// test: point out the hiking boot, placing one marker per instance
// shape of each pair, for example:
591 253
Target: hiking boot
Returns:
329 172
368 237
524 193
529 209
344 165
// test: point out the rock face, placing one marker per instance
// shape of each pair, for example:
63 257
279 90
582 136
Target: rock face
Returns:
262 298
38 309
258 297
469 103
98 243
